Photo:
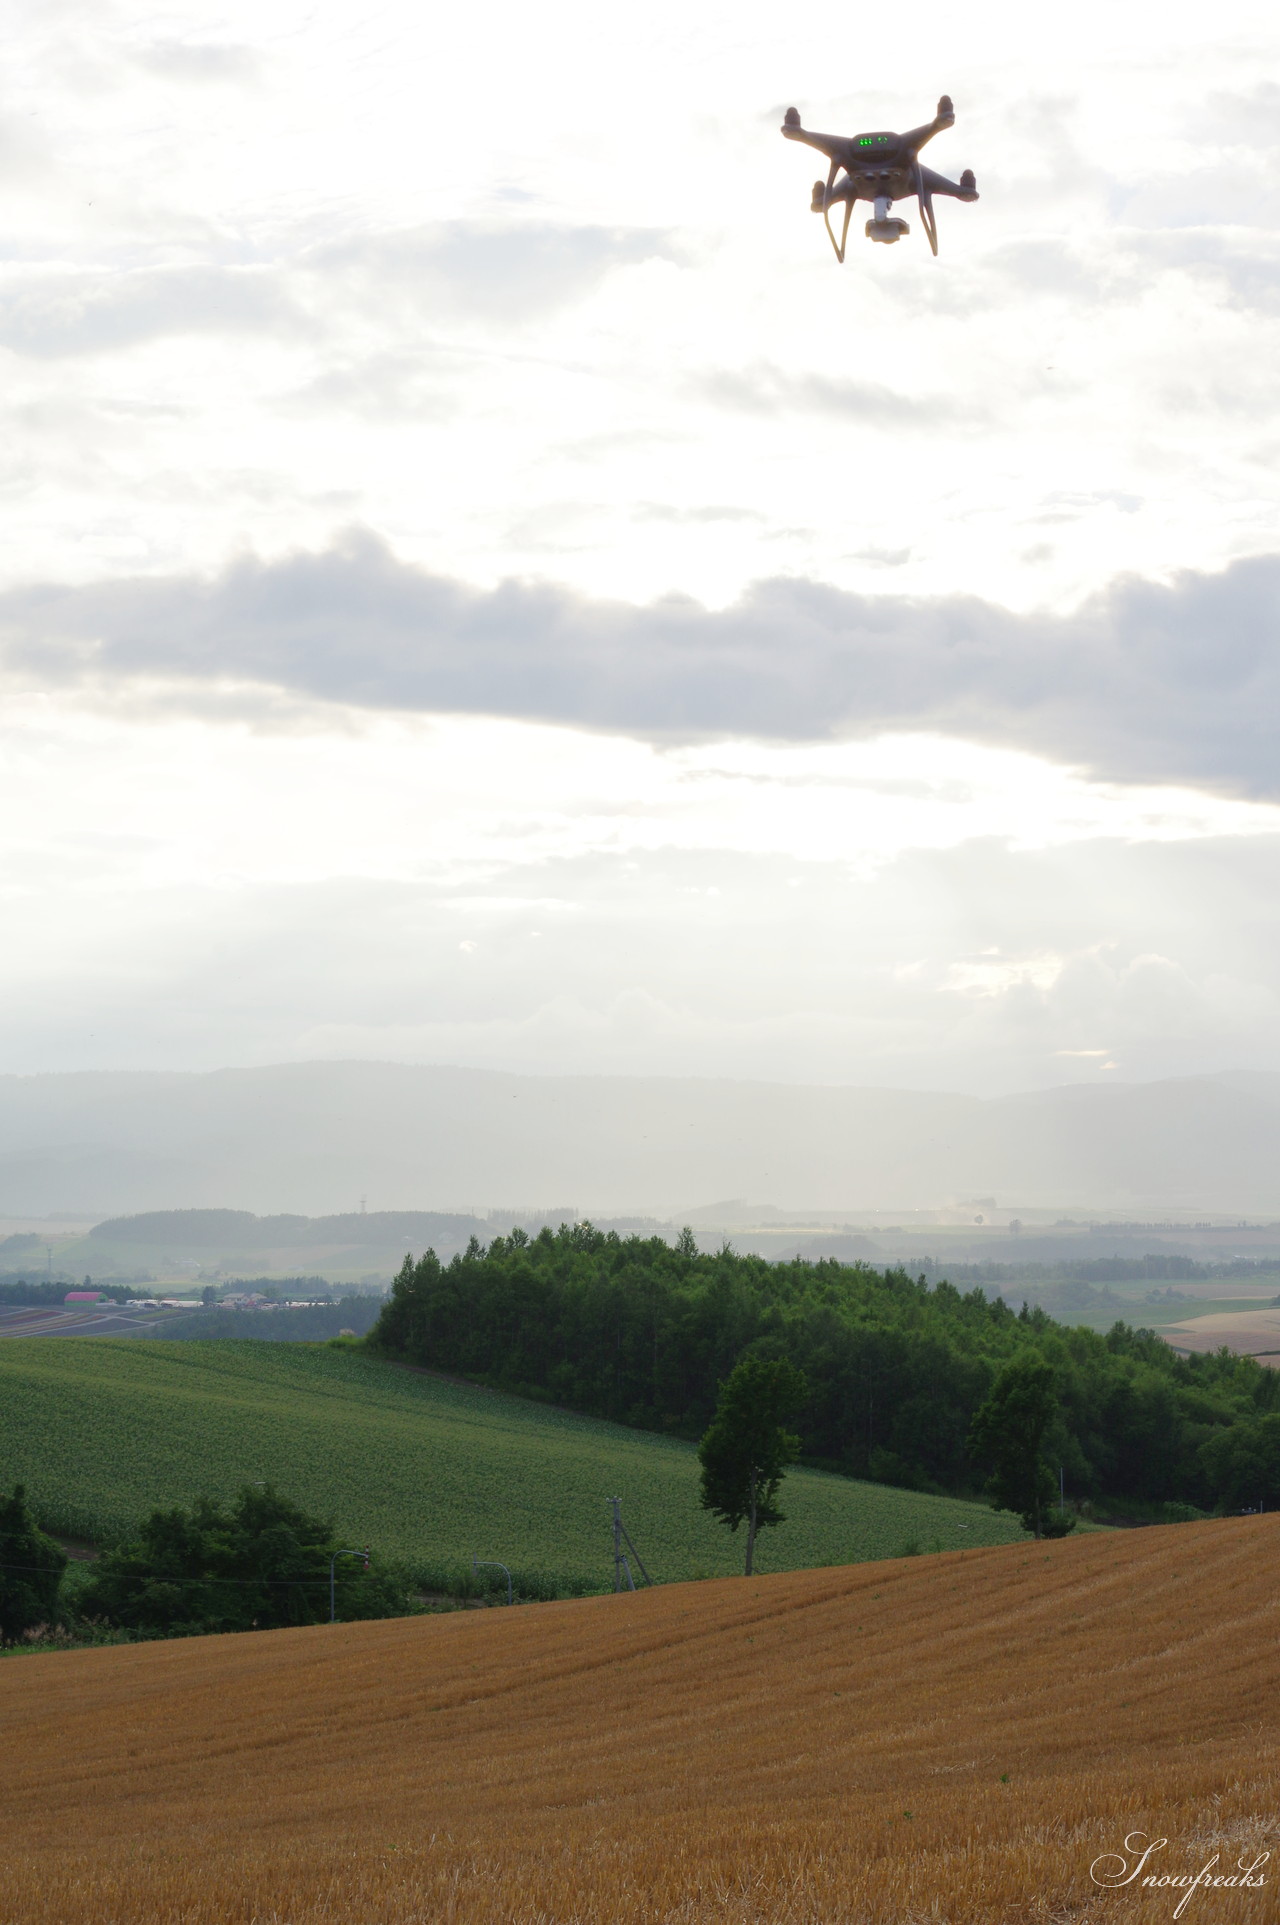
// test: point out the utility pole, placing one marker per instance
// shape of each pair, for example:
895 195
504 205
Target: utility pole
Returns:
1062 1489
490 1564
333 1589
621 1566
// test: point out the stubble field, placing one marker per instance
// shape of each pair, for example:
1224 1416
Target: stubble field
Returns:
954 1739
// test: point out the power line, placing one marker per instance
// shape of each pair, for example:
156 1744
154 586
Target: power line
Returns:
160 1577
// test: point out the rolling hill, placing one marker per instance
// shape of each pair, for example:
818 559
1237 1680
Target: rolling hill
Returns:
955 1739
102 1431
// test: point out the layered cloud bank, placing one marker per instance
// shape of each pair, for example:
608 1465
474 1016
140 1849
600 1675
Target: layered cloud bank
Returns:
740 664
1146 682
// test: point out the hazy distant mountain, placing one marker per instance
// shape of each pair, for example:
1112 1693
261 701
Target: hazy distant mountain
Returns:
315 1138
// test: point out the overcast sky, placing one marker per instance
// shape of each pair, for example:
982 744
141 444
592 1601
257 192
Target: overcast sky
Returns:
482 585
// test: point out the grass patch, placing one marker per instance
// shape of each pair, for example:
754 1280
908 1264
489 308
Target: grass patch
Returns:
428 1471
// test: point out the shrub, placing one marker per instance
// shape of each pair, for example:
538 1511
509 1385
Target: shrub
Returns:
31 1567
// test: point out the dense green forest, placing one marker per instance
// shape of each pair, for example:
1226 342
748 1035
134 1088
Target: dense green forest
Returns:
636 1330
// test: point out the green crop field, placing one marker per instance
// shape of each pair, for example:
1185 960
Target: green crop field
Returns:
101 1431
1136 1310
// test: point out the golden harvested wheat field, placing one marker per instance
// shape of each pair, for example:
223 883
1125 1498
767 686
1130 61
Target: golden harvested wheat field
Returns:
1251 1332
954 1738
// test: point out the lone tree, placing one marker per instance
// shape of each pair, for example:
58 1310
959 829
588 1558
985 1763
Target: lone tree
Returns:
1007 1434
31 1567
746 1450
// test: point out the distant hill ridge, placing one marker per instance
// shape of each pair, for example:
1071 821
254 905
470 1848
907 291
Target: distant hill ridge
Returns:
306 1137
229 1229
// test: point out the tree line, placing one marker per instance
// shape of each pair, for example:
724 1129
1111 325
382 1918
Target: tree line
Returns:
1157 1266
895 1368
40 1292
255 1564
746 1451
289 1323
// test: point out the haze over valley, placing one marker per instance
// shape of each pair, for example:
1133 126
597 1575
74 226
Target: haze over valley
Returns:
321 1139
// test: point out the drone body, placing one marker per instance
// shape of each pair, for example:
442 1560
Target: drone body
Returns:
881 169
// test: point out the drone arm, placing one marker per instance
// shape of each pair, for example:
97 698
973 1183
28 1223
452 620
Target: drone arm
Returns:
916 139
836 147
944 118
939 184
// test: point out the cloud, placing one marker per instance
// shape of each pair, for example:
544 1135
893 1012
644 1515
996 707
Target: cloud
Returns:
394 386
701 962
502 272
1239 266
47 315
767 390
200 61
1151 682
1244 119
506 271
24 153
663 511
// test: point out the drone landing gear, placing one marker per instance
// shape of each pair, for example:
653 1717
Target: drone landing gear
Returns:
924 198
820 204
886 227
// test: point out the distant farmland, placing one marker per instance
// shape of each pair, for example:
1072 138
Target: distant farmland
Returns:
102 1431
952 1739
